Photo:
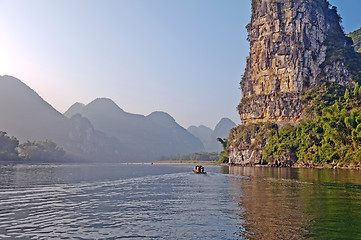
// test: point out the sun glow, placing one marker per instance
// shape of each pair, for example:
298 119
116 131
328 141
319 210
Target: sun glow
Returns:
5 62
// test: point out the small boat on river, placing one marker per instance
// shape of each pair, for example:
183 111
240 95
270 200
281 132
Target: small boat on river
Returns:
199 169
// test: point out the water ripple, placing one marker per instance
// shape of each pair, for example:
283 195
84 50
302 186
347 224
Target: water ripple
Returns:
164 206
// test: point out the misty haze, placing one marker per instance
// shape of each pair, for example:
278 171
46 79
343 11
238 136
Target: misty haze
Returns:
181 119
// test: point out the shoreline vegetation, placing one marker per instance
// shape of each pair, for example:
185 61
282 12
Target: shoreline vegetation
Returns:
36 151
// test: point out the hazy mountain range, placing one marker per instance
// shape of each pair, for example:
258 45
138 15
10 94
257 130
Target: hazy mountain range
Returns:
98 131
145 136
209 136
25 115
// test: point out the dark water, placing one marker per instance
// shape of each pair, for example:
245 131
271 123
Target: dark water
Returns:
170 202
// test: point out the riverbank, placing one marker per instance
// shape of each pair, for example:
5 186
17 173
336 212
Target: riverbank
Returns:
190 162
297 165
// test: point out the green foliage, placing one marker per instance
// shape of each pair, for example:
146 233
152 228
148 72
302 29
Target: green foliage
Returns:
323 96
223 155
331 137
223 141
356 90
281 144
8 147
41 151
356 38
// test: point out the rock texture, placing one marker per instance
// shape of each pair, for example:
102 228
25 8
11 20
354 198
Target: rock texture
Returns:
294 46
288 51
246 143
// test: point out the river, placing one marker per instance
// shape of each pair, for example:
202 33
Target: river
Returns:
115 201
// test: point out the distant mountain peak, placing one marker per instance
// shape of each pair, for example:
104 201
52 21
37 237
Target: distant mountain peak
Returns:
225 121
26 115
224 125
79 104
201 132
105 104
18 91
76 108
200 126
160 116
103 100
209 136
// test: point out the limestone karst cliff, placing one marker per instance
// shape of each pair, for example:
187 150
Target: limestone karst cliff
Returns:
295 46
289 43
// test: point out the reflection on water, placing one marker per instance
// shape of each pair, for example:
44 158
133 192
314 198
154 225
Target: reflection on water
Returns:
273 208
283 203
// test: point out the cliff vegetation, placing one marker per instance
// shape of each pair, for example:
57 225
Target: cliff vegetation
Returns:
332 137
356 38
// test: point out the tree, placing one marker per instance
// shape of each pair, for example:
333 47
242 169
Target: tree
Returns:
41 151
347 94
223 155
223 142
8 147
356 90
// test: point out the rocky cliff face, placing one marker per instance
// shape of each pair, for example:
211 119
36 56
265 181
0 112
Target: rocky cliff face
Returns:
295 45
289 47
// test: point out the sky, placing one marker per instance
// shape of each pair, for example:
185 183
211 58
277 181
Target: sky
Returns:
184 57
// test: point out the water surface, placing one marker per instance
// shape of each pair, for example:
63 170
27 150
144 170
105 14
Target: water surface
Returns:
284 203
170 202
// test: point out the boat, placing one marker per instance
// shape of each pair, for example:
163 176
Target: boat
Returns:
199 172
199 169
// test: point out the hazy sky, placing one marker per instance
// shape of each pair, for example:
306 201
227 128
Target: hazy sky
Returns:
184 57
